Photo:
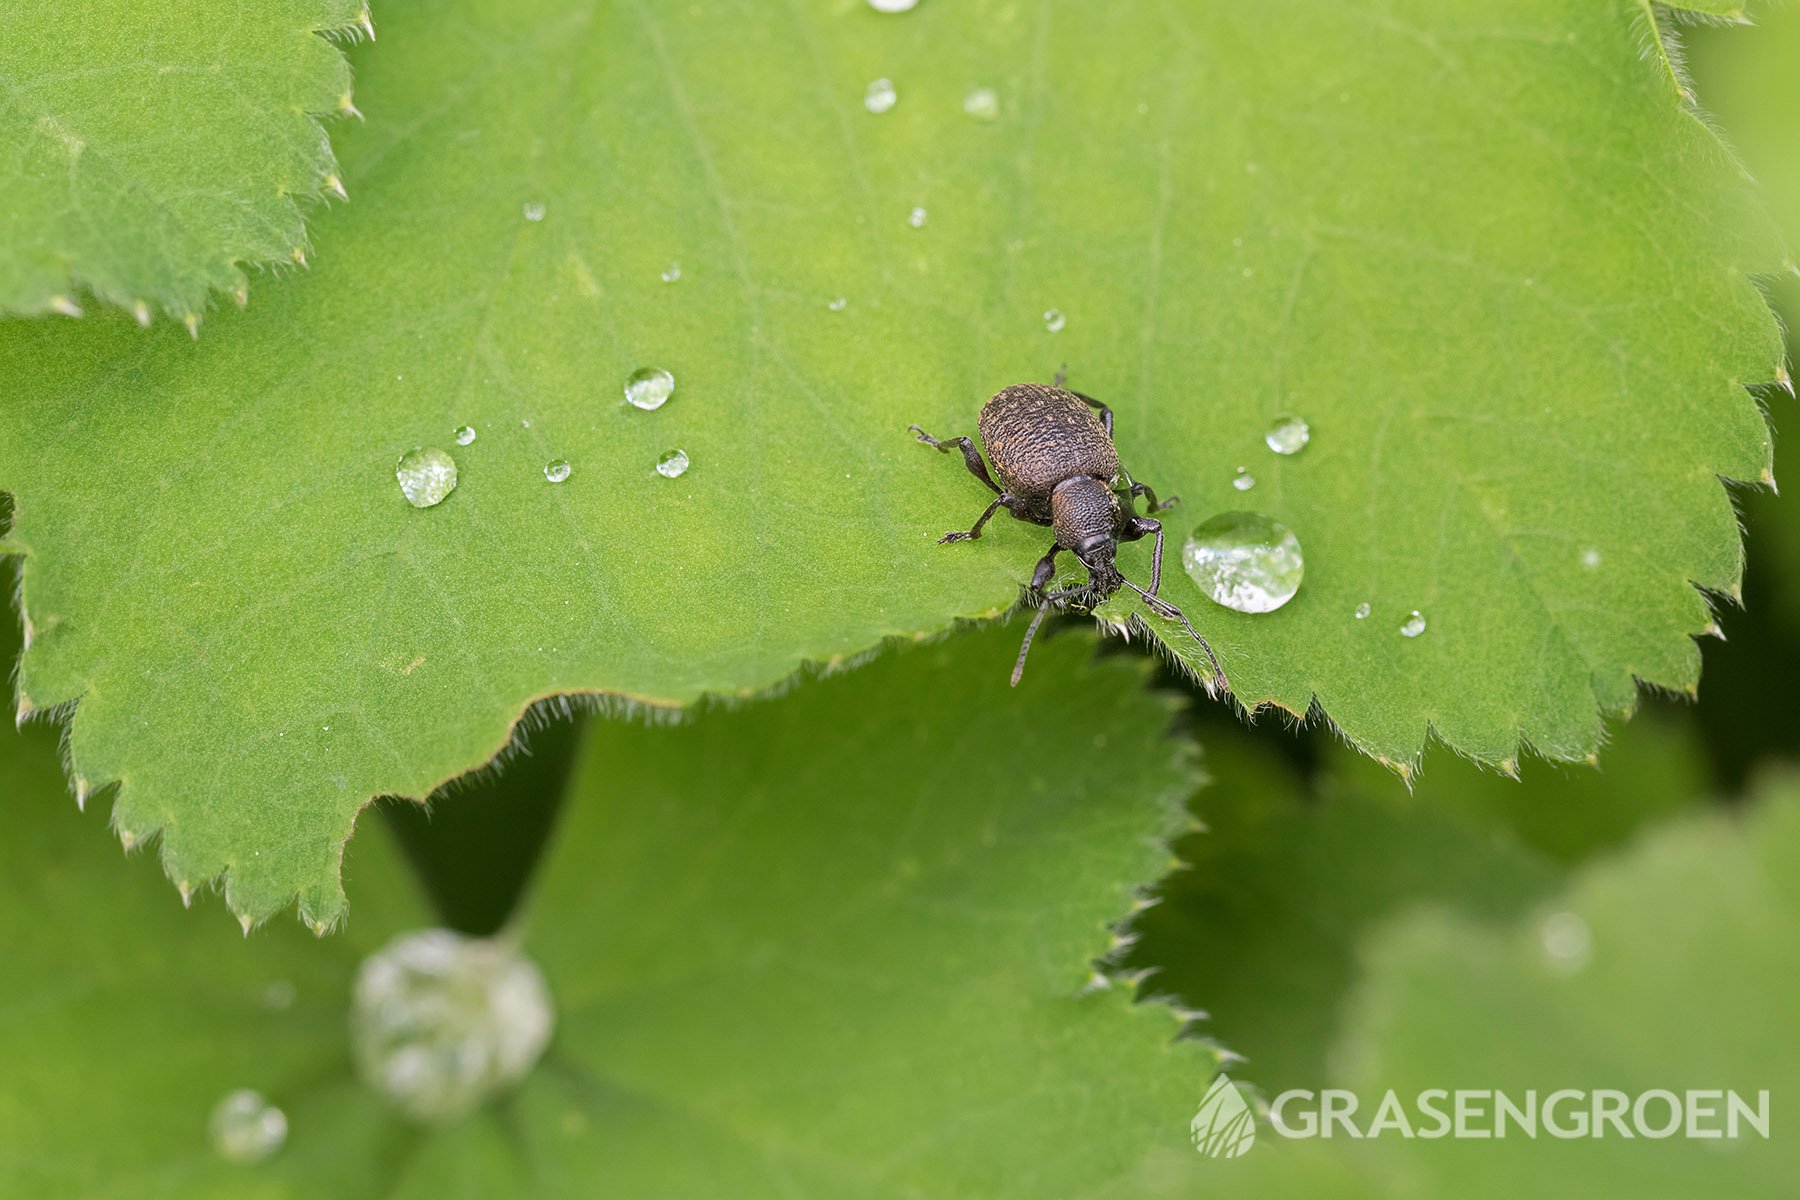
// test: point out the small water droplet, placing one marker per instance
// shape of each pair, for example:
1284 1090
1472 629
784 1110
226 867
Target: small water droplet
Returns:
1414 624
426 475
245 1128
880 96
672 463
893 6
1566 942
556 470
441 1022
534 211
837 304
1363 610
1054 320
465 434
1243 481
1590 558
917 217
1245 561
1288 435
673 273
649 388
983 104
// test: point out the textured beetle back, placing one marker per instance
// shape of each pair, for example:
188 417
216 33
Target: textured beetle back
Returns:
1037 436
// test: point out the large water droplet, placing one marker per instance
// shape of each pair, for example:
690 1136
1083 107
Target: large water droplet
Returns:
649 388
1243 481
1245 561
1054 320
880 96
1363 610
1414 624
672 463
534 211
917 217
465 434
893 6
556 470
246 1128
441 1022
1288 435
983 104
426 475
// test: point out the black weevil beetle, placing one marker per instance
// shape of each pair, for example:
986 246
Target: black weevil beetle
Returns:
1054 453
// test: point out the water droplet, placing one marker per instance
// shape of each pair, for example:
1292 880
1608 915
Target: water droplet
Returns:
1288 435
441 1022
672 463
983 104
837 304
556 470
426 475
534 211
1363 610
246 1128
917 217
1243 481
1590 558
880 96
465 434
893 6
1414 624
1054 320
649 388
1566 942
1245 561
673 273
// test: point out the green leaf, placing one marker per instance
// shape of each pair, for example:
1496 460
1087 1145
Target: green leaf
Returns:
1488 254
154 151
783 966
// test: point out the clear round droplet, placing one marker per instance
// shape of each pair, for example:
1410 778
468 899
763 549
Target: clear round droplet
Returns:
556 470
1054 320
917 217
465 434
534 211
649 388
893 6
1288 435
837 304
983 103
1590 558
1566 941
672 273
880 96
672 463
1363 610
1243 481
426 475
440 1022
1414 624
1245 561
246 1128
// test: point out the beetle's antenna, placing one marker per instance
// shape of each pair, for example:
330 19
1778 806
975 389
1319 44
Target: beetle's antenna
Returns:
1019 666
1163 608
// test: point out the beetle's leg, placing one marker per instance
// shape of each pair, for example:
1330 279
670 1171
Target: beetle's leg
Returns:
1105 412
1149 493
1142 527
1006 500
1046 567
970 454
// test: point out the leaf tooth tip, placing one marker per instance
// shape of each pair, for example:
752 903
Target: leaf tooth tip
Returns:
367 22
24 713
242 295
127 839
81 793
192 321
141 311
65 306
319 928
1096 982
187 892
347 108
245 922
1509 767
299 255
335 186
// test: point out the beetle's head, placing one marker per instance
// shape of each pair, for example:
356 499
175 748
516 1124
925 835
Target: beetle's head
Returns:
1086 515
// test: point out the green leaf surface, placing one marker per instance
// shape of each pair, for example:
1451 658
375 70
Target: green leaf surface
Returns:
782 966
154 151
1487 253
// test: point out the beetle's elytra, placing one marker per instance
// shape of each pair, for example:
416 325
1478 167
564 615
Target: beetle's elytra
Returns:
1054 454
